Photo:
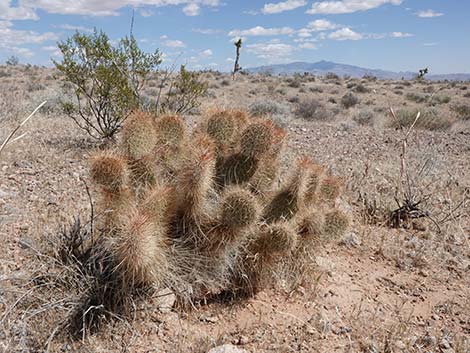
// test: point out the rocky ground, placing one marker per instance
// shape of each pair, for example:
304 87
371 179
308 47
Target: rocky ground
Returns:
379 289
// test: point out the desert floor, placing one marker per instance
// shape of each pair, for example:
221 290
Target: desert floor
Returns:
380 289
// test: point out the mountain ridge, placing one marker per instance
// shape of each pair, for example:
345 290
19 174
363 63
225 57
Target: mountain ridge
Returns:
323 67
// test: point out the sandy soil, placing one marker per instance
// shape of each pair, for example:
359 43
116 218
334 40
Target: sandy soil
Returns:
377 290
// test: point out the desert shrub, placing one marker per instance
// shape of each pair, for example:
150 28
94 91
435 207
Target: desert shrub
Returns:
360 88
267 107
293 99
184 93
311 110
440 99
462 111
200 213
225 82
294 83
364 117
349 100
12 61
107 80
416 97
331 76
466 95
429 119
316 90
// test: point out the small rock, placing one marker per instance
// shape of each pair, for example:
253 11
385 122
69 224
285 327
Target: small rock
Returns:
445 344
435 317
211 319
165 300
227 348
351 240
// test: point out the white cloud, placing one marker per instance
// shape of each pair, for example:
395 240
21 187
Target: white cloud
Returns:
287 5
191 9
308 45
348 6
206 53
172 43
146 13
400 35
11 40
206 30
55 51
321 25
345 34
74 28
7 12
429 14
433 44
270 50
261 31
26 9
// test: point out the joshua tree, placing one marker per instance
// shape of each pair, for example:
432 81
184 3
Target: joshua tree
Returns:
422 73
236 67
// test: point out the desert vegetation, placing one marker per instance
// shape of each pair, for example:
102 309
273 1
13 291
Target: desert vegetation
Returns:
273 213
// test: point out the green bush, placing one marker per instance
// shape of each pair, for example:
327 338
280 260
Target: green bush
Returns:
106 80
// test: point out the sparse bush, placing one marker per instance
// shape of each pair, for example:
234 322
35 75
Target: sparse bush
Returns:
430 119
294 83
463 111
440 99
311 110
349 100
184 94
331 76
416 97
267 107
12 61
316 90
201 213
364 117
106 79
360 88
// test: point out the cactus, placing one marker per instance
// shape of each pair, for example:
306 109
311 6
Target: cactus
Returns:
336 223
203 214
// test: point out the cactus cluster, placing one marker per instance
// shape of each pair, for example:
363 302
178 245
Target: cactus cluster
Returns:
204 211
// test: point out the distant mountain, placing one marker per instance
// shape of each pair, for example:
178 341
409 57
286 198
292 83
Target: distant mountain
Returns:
321 68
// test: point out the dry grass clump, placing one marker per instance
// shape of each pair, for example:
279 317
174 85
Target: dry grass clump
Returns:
214 225
430 119
462 111
364 117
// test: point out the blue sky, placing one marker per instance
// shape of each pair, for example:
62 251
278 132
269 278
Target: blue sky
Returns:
396 35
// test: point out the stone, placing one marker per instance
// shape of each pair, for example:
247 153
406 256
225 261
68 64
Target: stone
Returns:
165 300
227 348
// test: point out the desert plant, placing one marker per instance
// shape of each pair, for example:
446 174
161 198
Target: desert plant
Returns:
364 117
106 80
12 61
462 111
267 107
184 93
430 119
311 110
216 224
349 100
